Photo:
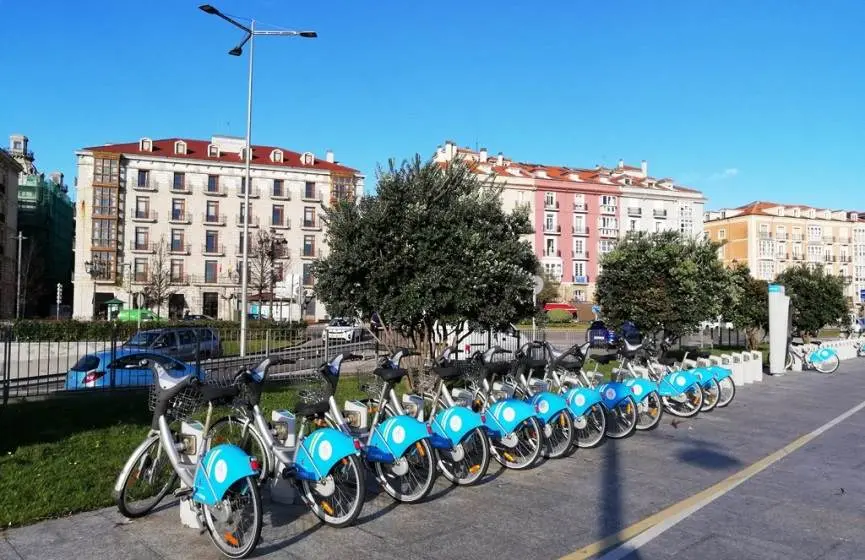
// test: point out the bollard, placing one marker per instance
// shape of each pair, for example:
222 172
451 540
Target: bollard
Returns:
757 359
703 362
738 368
716 360
747 368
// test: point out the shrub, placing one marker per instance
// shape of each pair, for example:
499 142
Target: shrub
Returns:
559 316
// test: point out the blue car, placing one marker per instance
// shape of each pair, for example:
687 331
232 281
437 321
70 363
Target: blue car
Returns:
95 371
601 336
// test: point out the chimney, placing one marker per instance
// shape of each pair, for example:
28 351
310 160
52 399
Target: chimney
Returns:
328 155
482 155
450 150
621 164
645 166
500 160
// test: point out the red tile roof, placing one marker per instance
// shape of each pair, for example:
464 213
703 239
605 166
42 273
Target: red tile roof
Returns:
760 206
197 150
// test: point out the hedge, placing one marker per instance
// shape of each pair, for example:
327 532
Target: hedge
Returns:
559 316
72 330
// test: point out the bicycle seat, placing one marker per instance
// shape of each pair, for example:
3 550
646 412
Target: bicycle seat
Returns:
308 410
532 363
447 372
390 374
219 393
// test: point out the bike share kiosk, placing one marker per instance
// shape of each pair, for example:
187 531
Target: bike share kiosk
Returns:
779 328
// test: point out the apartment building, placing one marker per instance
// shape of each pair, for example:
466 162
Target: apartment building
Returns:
9 170
579 214
136 198
770 237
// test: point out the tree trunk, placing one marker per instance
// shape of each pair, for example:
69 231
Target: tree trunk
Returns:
752 337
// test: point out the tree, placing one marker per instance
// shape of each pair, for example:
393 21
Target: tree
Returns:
160 286
816 298
550 291
746 304
431 253
264 250
661 281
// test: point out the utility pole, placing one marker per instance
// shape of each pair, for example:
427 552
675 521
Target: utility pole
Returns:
21 239
59 298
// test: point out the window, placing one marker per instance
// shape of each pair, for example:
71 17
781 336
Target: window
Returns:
106 171
579 247
186 337
797 234
17 145
278 272
276 156
309 217
179 183
143 177
606 245
142 235
277 217
579 271
210 304
211 241
658 226
686 220
140 270
180 147
104 201
549 222
212 151
242 215
606 222
767 248
177 240
815 233
579 225
549 247
243 185
212 211
766 270
142 207
278 187
240 243
176 270
213 183
607 200
549 200
632 225
309 190
308 245
722 234
814 252
210 272
579 202
178 208
307 274
104 233
781 232
554 270
781 249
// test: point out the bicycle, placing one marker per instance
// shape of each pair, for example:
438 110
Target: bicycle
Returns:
219 484
322 463
822 359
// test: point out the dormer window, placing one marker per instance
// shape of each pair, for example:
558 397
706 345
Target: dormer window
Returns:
180 148
796 213
812 213
628 181
145 145
307 158
827 215
212 150
276 156
781 211
242 154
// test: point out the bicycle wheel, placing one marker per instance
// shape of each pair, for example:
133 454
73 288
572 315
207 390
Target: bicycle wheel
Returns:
649 412
411 477
727 391
337 498
686 404
622 419
711 395
151 468
468 463
520 449
245 435
235 522
559 435
788 361
590 427
829 365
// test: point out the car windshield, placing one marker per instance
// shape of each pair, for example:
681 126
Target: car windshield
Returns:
145 338
86 363
340 323
597 325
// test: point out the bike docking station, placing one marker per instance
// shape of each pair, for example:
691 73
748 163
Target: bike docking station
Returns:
283 491
191 445
779 330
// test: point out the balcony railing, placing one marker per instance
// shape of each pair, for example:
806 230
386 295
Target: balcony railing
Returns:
213 249
284 195
310 195
181 188
552 253
284 223
180 217
581 279
580 207
213 219
145 186
139 277
310 225
310 253
253 220
829 258
105 212
659 213
179 279
143 247
765 235
797 237
144 215
845 258
214 190
781 236
636 212
556 229
179 248
551 205
238 249
847 279
797 257
608 209
608 232
581 230
253 192
828 238
580 255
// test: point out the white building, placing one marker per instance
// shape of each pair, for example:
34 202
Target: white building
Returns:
187 195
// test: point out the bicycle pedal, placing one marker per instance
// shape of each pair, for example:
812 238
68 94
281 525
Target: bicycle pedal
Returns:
289 472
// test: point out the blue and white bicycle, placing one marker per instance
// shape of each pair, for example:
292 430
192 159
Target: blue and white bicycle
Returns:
822 359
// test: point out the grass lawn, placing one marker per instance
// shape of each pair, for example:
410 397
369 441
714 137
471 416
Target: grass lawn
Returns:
62 455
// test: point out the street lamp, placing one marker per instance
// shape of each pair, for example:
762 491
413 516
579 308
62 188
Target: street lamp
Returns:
251 33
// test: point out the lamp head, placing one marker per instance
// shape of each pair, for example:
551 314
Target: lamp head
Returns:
208 9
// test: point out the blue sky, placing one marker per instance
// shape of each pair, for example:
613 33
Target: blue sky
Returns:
744 100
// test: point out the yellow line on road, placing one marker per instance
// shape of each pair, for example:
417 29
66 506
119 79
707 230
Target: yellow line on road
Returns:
706 496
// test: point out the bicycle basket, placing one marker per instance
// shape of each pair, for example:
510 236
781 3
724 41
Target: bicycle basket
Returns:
181 406
423 381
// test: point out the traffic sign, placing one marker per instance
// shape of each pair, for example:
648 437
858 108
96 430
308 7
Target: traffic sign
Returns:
539 284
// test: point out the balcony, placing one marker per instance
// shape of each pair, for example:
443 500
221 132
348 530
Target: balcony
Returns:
635 212
845 258
797 237
609 209
797 257
580 255
180 217
781 236
105 212
214 190
179 279
580 207
310 195
765 235
310 225
581 280
829 258
782 256
551 205
213 250
140 277
608 232
145 247
581 230
254 192
213 219
181 188
553 230
146 215
145 186
660 214
310 253
179 248
552 253
338 197
284 223
828 239
253 221
238 249
211 279
284 194
847 279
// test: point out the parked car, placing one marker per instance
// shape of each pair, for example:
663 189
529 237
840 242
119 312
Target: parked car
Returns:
196 318
134 315
601 336
179 342
96 370
342 328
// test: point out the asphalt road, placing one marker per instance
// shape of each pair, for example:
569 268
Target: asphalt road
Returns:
808 505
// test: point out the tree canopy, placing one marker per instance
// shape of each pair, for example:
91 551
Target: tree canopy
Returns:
661 281
550 291
432 248
817 299
746 304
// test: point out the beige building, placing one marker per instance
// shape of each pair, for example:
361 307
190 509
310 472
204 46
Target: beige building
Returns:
771 237
187 195
9 170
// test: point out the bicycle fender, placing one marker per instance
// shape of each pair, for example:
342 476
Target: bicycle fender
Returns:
394 436
320 451
503 417
581 399
676 383
548 405
220 467
453 424
721 373
641 388
704 376
822 354
613 393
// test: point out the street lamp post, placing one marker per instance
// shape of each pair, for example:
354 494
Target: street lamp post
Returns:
251 33
20 239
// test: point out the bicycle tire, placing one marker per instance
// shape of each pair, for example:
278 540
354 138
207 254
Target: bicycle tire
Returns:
628 417
727 391
353 465
711 396
827 366
654 418
595 427
531 429
125 507
246 487
562 432
672 406
251 442
420 452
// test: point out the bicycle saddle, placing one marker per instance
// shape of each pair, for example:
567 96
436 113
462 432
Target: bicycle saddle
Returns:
390 374
447 372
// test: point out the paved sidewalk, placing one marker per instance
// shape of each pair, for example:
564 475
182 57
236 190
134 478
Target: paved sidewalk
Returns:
563 505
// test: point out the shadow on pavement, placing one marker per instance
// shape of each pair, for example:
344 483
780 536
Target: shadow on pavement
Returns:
707 455
613 513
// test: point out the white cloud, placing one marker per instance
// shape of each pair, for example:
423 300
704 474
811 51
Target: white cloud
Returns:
725 174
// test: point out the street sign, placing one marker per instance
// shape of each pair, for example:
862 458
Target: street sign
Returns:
596 309
539 284
862 295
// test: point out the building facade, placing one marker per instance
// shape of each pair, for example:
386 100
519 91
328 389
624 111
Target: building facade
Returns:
771 237
46 219
578 215
177 205
9 170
